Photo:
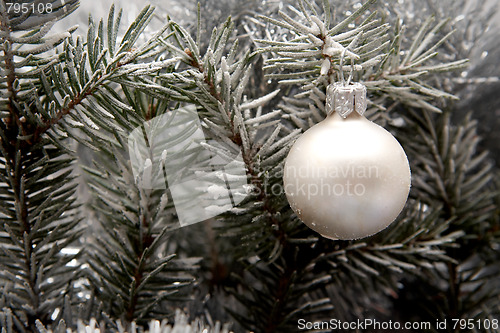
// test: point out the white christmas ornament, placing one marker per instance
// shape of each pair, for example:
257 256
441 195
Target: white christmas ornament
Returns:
347 177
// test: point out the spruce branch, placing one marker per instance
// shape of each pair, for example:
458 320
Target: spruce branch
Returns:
449 169
14 47
264 232
130 255
403 79
100 88
311 59
219 86
37 191
135 226
272 305
70 88
106 66
263 225
135 222
38 206
181 323
299 62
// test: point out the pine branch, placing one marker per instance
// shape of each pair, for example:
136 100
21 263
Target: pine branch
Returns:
313 56
181 323
129 257
38 189
449 169
100 89
38 217
311 60
107 65
18 85
218 88
403 80
283 296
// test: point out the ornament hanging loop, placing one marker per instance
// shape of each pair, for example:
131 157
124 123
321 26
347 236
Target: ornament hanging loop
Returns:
341 69
345 97
351 73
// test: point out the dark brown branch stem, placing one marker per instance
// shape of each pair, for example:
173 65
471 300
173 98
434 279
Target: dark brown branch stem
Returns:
48 124
11 76
284 283
144 240
283 287
12 127
77 100
247 155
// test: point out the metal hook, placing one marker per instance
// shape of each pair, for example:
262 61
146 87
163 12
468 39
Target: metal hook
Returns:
352 72
341 69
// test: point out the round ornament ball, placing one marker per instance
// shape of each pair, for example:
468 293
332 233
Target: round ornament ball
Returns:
347 177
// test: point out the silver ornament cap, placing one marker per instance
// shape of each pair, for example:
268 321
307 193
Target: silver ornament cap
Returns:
344 99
